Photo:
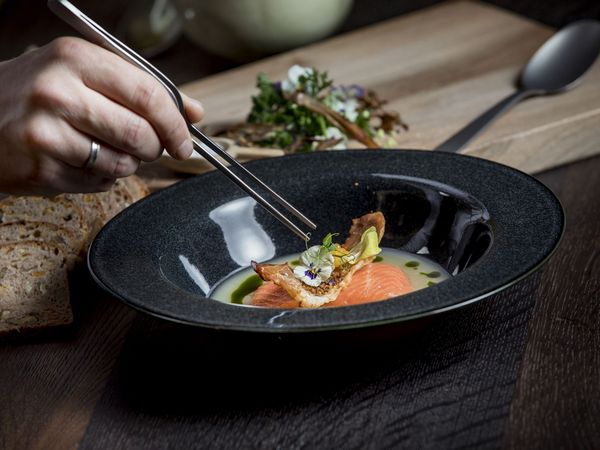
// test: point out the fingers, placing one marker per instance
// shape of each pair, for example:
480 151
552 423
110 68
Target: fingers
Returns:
55 177
140 92
60 141
193 109
119 127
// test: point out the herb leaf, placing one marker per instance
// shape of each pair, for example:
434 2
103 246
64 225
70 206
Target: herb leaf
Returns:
327 116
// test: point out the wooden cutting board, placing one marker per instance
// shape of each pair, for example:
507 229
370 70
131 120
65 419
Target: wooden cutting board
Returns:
440 68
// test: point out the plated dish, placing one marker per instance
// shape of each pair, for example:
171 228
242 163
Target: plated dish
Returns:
330 274
483 224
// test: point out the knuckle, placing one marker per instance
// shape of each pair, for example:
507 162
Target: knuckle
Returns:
134 133
44 92
36 135
146 96
67 48
177 133
124 165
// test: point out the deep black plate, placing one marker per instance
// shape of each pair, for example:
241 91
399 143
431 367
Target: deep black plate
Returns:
488 224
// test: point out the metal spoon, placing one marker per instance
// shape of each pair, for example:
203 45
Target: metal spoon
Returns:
557 66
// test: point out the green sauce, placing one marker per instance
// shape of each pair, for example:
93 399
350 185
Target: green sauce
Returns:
412 264
247 286
378 259
433 274
431 283
294 262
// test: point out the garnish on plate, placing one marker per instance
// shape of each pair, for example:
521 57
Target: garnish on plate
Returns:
307 112
326 269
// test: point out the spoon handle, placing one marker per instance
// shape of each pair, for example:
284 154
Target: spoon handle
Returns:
456 142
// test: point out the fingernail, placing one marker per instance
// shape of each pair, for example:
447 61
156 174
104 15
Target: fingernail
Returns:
185 150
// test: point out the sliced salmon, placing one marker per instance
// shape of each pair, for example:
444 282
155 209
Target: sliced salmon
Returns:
374 282
269 295
314 297
371 283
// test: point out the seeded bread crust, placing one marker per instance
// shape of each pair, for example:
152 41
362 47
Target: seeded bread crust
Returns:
69 242
93 212
40 240
115 200
34 291
136 187
59 211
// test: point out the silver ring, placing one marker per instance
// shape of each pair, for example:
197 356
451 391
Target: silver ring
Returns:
94 150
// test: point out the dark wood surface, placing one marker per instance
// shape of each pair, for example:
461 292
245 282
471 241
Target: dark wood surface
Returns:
520 370
556 402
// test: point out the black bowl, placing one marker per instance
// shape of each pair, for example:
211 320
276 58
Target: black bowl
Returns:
489 225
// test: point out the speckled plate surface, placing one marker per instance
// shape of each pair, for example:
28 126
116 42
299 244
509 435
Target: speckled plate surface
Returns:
487 224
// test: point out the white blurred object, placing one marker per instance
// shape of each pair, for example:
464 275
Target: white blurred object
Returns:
242 29
150 26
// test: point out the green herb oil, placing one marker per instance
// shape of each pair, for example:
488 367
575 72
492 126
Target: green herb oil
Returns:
247 286
433 274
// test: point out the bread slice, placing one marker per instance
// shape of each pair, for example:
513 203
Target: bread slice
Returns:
34 291
69 242
59 211
115 200
125 192
136 187
93 212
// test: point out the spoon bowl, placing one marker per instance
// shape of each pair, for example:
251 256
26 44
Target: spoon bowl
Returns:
562 61
558 65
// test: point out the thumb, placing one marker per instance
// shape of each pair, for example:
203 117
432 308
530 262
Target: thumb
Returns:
193 109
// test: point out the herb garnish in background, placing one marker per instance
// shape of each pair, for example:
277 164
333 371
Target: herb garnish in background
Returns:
308 112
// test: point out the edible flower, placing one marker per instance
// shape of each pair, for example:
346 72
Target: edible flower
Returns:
296 74
316 266
318 262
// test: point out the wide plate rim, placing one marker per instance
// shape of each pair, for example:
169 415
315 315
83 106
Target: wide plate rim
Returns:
263 328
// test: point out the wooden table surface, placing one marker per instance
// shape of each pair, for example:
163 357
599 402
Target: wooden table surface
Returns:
440 67
81 387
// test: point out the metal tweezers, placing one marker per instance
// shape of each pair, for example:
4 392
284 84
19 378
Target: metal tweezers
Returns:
202 144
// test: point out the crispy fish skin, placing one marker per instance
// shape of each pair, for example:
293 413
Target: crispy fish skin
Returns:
314 297
361 224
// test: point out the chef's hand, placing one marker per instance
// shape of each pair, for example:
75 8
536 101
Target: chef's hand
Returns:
55 100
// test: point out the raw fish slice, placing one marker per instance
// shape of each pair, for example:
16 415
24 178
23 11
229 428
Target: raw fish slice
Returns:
313 297
306 296
373 282
269 295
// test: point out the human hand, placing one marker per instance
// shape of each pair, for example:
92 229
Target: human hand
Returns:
55 100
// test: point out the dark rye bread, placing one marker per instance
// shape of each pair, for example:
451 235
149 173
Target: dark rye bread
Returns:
69 242
59 211
34 291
